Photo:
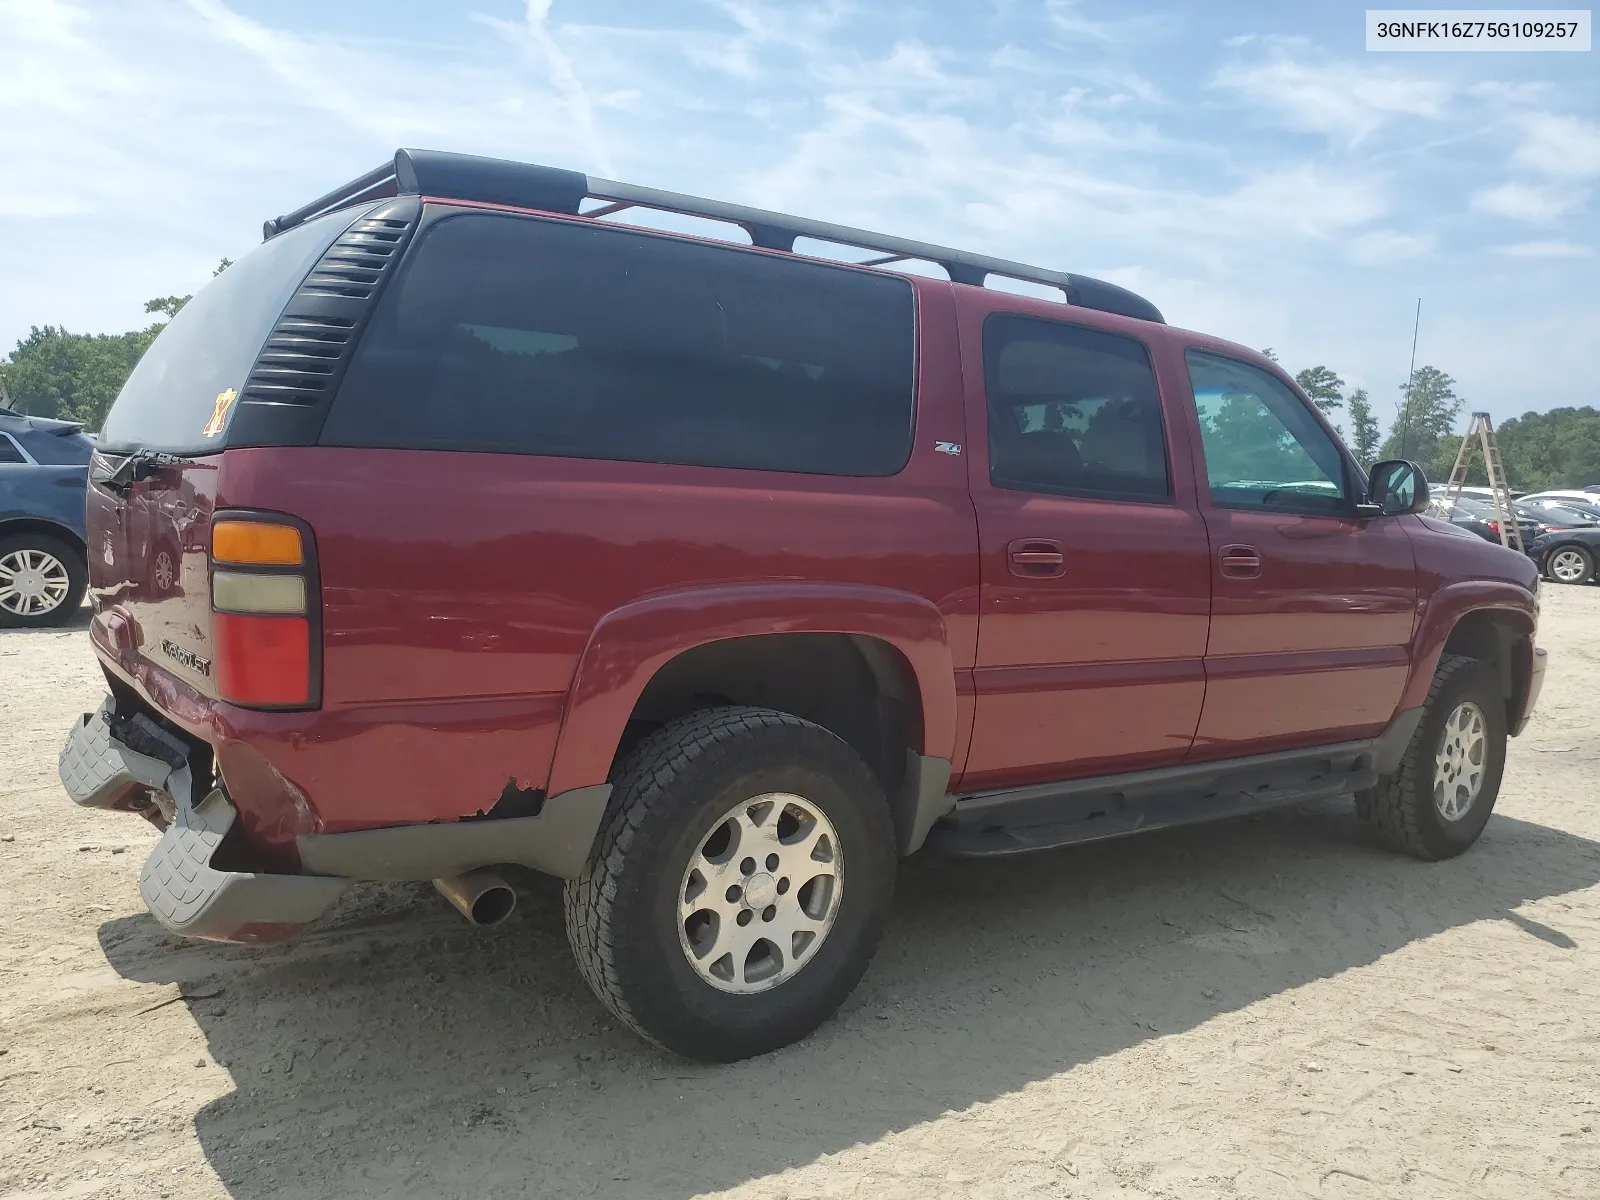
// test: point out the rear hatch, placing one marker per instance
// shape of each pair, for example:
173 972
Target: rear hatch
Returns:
155 479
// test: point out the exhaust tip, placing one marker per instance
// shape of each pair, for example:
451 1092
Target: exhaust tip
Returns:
493 906
482 897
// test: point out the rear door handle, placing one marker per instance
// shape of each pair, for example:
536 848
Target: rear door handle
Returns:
1036 558
1240 562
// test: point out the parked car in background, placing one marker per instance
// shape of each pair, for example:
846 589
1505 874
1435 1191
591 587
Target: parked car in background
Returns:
1479 516
1554 517
1560 496
1567 555
43 467
716 578
1588 507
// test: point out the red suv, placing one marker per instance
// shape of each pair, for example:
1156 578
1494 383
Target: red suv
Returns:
715 578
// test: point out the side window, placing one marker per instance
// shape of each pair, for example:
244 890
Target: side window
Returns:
1072 411
1263 448
8 450
532 336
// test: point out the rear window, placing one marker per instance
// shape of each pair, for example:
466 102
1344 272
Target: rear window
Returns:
210 346
528 336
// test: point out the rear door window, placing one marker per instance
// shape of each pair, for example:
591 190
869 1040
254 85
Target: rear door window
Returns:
522 335
9 453
1073 411
207 350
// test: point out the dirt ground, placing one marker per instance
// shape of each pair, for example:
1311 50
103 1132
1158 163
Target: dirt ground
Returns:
1268 1007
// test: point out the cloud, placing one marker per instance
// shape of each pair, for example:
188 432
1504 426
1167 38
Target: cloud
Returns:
1545 250
1386 247
1069 20
1526 202
1559 146
1344 101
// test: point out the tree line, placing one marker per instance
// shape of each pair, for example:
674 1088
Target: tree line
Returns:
1555 449
76 376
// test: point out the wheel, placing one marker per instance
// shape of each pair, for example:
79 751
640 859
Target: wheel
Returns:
164 569
1569 564
1439 800
42 580
739 885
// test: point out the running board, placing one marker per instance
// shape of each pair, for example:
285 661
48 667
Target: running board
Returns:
1044 816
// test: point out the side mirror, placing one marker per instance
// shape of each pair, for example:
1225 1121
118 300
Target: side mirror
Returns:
1395 486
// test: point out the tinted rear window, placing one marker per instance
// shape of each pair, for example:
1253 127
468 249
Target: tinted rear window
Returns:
542 337
212 343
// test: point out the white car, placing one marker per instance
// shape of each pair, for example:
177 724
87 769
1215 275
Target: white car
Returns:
1587 503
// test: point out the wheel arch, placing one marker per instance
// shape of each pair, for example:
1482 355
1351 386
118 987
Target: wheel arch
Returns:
1488 621
871 664
10 526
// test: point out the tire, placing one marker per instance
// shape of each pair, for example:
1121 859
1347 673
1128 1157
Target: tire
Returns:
1407 808
1569 564
30 562
675 797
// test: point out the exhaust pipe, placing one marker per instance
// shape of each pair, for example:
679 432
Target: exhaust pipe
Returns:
482 897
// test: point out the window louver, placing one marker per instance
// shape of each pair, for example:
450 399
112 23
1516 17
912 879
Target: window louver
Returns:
306 354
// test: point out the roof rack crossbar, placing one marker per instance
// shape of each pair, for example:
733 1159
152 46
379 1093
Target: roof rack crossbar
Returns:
378 182
486 180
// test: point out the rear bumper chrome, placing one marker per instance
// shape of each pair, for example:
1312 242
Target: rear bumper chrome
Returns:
179 885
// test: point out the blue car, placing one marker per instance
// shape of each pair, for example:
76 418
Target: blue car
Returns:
44 468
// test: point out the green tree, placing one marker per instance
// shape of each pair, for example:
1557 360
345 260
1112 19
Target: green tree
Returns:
1424 428
1270 353
1363 428
75 376
1555 449
167 304
1324 387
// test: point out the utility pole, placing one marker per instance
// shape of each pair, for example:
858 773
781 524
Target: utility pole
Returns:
1405 411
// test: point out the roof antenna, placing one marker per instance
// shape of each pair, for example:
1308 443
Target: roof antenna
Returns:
1405 412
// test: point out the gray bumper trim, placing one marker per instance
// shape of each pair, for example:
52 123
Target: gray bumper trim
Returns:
100 772
557 842
190 897
179 885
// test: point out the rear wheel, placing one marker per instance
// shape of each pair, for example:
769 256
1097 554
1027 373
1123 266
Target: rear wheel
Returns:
42 580
1569 564
740 885
1437 803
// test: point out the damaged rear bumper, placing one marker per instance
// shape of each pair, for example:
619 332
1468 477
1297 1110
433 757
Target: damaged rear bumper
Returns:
135 764
101 769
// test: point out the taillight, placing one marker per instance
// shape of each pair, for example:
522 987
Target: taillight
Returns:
1494 526
263 599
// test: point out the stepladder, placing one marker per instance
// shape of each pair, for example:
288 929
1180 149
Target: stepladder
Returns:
1480 438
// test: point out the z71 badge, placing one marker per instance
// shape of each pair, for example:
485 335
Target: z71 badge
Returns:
185 657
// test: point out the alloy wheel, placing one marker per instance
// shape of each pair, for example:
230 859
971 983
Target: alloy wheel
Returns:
1459 763
1568 566
761 893
32 582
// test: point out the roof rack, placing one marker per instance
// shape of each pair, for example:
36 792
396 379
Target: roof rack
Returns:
524 185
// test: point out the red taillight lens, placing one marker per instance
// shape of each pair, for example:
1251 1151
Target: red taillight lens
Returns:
263 602
262 660
1494 526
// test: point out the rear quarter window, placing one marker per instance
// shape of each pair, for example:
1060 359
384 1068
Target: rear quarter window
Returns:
210 346
522 335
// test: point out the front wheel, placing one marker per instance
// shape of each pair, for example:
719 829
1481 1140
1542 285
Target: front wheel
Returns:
1570 564
740 884
1438 801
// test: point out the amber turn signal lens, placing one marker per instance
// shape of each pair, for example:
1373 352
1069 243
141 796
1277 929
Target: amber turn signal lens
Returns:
257 543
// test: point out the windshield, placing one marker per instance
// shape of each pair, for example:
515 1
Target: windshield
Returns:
180 396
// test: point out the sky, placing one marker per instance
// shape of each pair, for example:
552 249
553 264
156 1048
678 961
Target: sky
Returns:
1248 167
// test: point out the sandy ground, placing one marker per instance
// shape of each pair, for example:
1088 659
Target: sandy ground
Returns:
1269 1007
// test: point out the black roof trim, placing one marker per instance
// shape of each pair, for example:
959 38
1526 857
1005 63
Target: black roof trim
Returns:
524 185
